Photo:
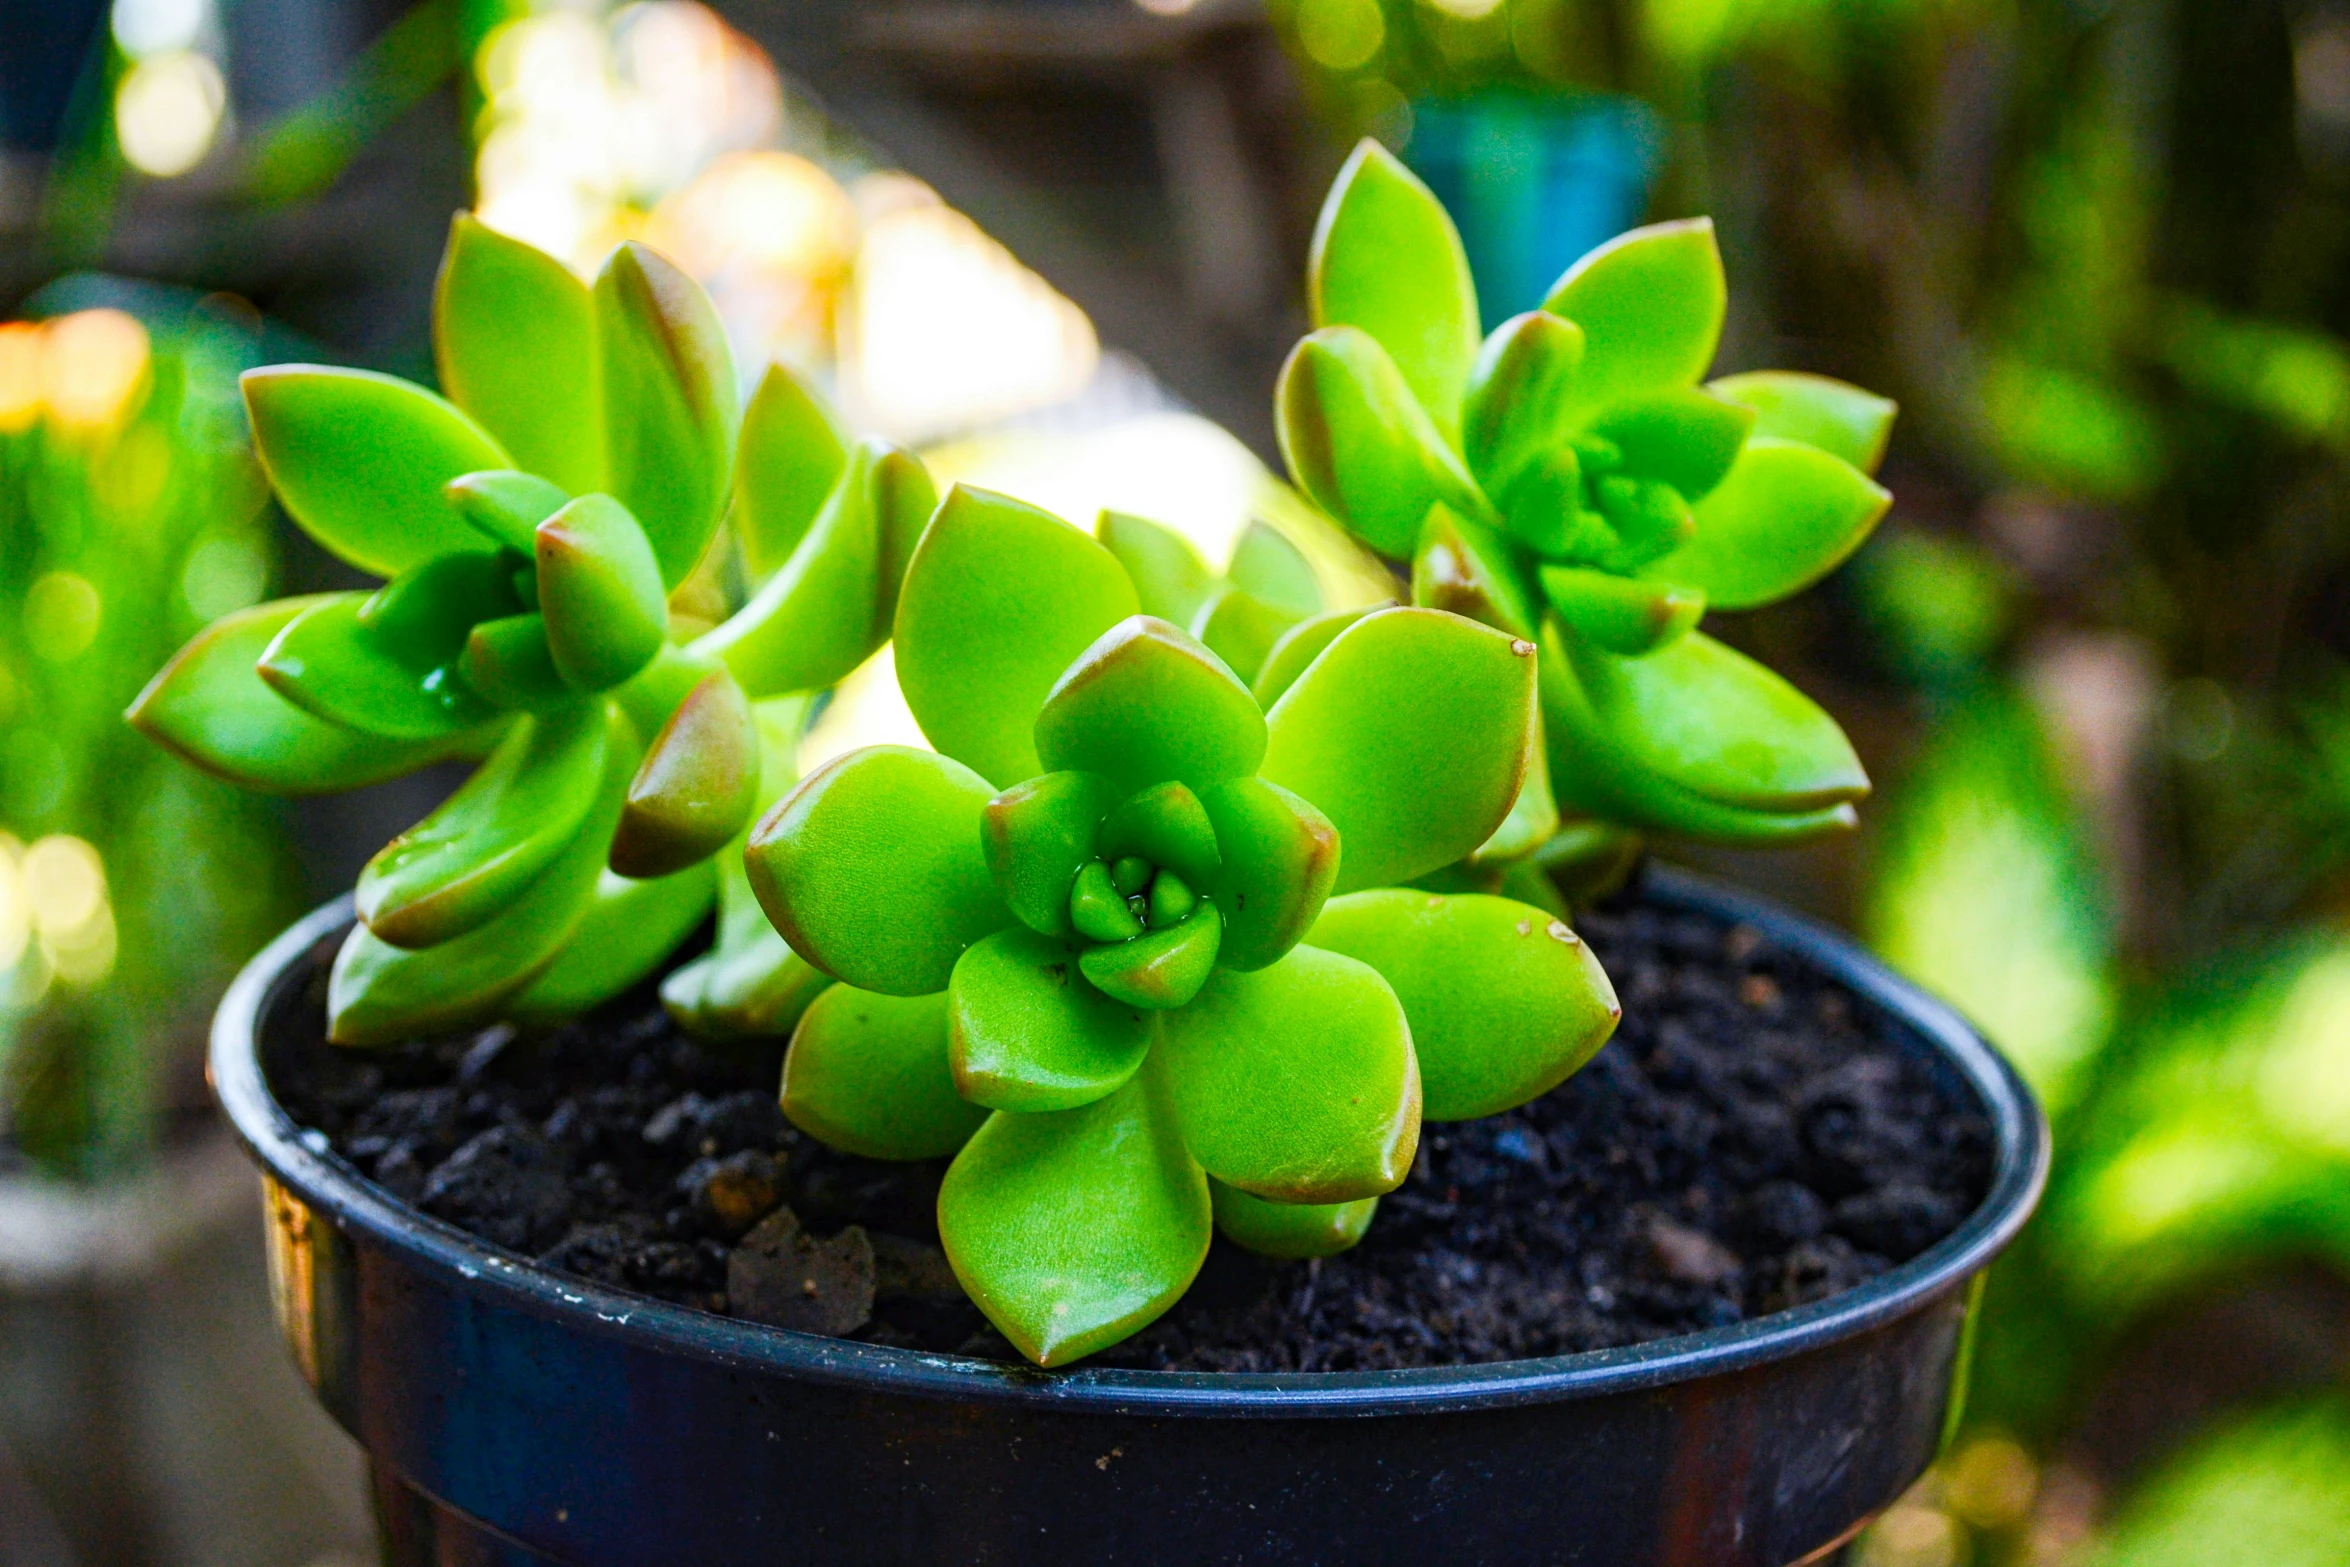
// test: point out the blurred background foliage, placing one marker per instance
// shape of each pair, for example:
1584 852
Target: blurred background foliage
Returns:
2099 249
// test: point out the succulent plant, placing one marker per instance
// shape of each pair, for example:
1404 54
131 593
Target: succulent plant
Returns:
533 527
1128 944
1569 481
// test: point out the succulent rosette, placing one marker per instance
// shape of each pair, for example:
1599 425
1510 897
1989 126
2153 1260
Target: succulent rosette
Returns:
532 527
1128 944
1569 480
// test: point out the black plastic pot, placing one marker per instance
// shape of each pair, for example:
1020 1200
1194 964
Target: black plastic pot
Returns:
514 1415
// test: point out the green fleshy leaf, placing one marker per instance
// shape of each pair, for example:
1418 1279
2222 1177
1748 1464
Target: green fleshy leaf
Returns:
1839 419
210 707
1624 615
1649 517
1505 1000
1037 836
830 605
1166 825
1281 858
1650 304
600 590
468 860
379 994
868 1075
505 505
1293 1231
1466 568
1521 399
872 869
359 460
423 617
1410 733
1583 862
1027 1033
329 665
1787 515
1683 437
792 452
630 930
514 337
1170 580
1299 646
1000 599
1534 816
1073 1229
1543 509
1358 443
1098 909
1160 969
669 403
661 687
1240 629
1267 566
1386 258
1146 704
1296 1083
697 786
508 662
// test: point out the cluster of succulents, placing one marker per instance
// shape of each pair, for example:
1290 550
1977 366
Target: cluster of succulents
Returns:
1206 893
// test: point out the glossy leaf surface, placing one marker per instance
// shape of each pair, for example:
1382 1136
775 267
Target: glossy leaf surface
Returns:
1787 515
631 928
325 662
1267 567
791 452
1280 856
1240 629
669 403
1164 967
469 859
1146 704
1650 304
1505 1000
1170 580
1410 734
210 707
509 663
1838 418
868 1075
697 786
1521 394
1622 614
1292 1231
422 617
1385 258
1296 1082
871 868
505 505
1072 1229
1466 568
514 338
1360 444
600 589
359 460
1028 1033
1298 647
1037 836
1683 437
1000 599
1168 826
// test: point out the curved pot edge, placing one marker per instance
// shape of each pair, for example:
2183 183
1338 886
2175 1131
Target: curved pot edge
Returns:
324 1182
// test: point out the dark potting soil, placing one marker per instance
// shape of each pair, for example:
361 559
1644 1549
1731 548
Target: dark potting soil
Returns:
1752 1139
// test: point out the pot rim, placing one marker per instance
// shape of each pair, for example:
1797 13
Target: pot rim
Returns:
304 1164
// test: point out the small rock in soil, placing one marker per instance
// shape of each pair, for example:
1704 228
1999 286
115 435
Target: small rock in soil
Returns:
730 1195
509 1185
782 1276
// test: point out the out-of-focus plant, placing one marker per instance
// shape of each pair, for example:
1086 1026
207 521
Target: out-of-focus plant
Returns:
1128 943
2263 1491
534 531
1569 481
130 512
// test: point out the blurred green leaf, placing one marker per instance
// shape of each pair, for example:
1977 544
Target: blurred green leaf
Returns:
514 336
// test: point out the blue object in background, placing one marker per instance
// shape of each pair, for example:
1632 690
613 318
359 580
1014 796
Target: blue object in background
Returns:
1534 181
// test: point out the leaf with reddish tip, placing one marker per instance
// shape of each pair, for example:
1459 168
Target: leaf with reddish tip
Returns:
1651 304
1386 258
1075 1228
1001 598
791 453
1170 580
669 403
1029 1034
514 337
1410 733
1359 444
1298 647
508 662
1521 398
359 460
1037 836
1280 858
209 706
630 930
600 590
1626 615
1162 968
505 505
697 786
468 860
1293 1231
1839 419
1168 826
868 1075
1505 1000
872 868
1147 704
1296 1083
332 667
1466 568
